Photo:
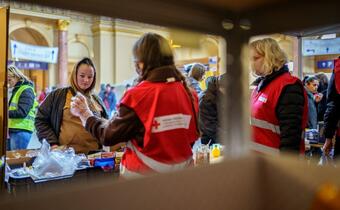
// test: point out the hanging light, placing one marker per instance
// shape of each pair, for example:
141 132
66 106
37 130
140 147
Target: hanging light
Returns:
174 45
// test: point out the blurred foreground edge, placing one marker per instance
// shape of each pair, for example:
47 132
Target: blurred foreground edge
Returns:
250 182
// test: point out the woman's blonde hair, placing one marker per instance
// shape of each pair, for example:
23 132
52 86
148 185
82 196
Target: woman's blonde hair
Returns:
274 56
13 71
73 77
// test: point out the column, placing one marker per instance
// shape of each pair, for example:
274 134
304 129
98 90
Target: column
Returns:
4 14
297 57
222 54
104 50
234 107
62 27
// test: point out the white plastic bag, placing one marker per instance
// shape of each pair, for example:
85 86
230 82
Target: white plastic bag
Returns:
56 163
324 160
327 159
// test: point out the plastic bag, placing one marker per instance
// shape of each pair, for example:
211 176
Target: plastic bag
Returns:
327 159
55 163
324 160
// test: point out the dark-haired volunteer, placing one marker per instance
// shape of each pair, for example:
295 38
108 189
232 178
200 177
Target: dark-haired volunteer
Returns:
21 110
157 117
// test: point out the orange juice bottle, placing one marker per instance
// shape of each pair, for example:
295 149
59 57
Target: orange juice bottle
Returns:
215 152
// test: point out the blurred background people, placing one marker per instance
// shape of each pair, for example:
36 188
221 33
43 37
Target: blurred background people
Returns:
196 74
101 93
57 125
208 116
311 85
157 117
209 106
21 110
43 95
113 102
278 103
322 90
108 98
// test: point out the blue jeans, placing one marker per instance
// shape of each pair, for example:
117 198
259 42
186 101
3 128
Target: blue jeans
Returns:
19 139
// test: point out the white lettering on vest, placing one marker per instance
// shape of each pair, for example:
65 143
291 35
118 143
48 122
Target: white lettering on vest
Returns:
170 122
263 99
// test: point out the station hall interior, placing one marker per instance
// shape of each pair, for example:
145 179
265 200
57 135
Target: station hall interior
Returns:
215 34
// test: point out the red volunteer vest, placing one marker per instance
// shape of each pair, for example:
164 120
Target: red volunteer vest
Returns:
337 85
264 123
167 114
337 74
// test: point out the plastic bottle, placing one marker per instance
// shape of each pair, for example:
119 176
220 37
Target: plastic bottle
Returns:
216 152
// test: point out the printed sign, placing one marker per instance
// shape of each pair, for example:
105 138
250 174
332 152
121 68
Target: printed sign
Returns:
320 46
33 52
326 64
170 122
213 60
29 65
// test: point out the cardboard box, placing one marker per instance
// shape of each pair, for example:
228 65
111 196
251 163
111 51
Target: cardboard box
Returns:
19 157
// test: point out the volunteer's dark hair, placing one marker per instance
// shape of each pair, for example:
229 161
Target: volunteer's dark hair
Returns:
155 51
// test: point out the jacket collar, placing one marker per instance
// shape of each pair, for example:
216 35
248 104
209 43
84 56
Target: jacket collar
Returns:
19 83
264 81
163 74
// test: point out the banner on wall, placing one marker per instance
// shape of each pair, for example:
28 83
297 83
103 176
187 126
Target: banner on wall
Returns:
29 65
33 52
320 47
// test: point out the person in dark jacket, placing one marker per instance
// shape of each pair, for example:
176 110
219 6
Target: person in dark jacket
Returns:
332 114
208 109
290 112
208 112
21 110
311 85
322 89
57 125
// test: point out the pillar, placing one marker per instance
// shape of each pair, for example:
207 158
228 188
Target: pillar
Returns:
62 27
104 50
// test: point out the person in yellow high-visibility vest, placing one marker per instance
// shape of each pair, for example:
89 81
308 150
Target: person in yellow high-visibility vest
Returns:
21 109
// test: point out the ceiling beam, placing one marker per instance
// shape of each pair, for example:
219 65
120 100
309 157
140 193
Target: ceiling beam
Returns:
288 17
164 13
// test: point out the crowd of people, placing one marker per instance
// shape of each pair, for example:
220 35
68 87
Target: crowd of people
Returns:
108 95
161 116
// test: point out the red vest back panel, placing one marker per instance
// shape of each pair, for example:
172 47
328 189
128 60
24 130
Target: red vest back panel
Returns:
167 114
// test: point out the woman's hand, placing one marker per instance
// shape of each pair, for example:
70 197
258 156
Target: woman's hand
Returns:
318 97
327 146
79 105
79 108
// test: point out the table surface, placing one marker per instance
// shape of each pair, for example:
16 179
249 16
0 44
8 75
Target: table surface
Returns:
27 185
